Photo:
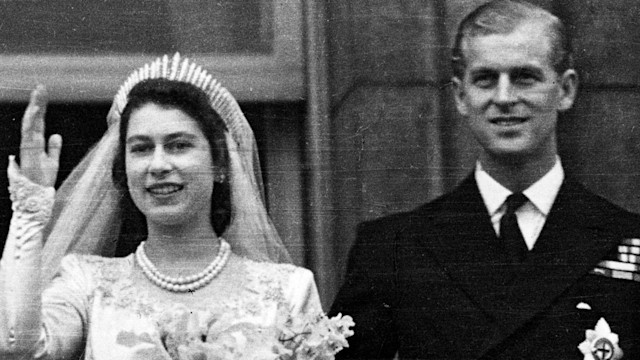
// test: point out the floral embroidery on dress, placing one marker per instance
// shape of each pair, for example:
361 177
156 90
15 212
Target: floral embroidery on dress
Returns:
254 321
269 279
27 197
234 334
264 288
112 280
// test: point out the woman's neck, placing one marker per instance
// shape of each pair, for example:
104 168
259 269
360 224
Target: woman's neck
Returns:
188 248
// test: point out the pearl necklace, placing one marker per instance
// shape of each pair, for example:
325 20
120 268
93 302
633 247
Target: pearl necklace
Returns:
184 283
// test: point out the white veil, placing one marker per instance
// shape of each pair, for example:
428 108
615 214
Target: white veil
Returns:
87 214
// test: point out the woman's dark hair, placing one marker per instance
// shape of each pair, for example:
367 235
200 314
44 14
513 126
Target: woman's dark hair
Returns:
195 103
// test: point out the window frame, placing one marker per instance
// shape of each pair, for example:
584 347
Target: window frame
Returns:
278 76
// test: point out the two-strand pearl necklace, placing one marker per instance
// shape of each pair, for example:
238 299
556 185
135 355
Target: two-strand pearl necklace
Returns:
184 283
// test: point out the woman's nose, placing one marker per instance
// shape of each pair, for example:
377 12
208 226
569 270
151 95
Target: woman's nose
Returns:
159 163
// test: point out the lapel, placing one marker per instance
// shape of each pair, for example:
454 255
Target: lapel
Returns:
573 240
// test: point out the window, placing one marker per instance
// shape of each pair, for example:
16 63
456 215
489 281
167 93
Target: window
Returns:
84 49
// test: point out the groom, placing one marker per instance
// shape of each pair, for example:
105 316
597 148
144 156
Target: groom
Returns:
520 260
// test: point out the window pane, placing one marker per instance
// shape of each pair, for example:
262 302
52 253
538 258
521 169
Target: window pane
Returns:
115 27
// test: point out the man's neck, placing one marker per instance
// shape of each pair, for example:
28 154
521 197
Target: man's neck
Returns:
517 174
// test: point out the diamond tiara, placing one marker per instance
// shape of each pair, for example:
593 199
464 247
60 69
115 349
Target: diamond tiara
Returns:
182 69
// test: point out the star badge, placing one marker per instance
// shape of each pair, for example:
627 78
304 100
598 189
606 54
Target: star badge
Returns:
601 343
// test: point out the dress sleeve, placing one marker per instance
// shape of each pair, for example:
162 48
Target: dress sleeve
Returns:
20 280
303 293
31 205
23 328
65 306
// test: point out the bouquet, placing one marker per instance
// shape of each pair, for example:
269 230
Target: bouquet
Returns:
207 336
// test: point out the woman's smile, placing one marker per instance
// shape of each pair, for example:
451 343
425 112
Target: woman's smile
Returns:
163 189
169 166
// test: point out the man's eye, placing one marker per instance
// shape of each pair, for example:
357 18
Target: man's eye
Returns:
525 78
484 81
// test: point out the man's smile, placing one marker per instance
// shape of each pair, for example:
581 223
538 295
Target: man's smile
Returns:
508 120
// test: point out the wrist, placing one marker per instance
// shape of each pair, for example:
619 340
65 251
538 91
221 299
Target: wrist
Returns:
28 198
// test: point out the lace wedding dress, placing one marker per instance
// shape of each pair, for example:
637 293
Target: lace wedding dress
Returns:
111 307
105 308
96 307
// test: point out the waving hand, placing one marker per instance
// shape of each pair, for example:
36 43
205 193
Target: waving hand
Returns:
36 163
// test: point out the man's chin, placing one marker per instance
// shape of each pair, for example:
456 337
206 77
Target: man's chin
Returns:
510 155
509 150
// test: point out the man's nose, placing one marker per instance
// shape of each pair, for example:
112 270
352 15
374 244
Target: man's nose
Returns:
504 94
159 163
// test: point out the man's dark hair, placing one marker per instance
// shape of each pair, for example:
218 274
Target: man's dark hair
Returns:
503 17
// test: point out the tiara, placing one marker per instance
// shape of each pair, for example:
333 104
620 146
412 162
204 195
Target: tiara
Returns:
182 69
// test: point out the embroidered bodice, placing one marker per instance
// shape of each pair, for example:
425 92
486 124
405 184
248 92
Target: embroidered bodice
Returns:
100 308
119 314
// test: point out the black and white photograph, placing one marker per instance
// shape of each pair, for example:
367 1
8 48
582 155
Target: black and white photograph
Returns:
319 179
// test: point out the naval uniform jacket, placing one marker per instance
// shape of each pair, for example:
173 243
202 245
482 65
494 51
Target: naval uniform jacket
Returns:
433 283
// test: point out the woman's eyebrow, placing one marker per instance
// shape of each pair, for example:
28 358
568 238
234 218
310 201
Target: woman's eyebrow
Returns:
180 135
135 138
168 137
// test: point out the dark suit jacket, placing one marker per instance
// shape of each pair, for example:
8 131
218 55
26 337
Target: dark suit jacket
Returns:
433 283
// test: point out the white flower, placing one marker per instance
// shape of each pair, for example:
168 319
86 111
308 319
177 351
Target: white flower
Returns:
601 343
190 335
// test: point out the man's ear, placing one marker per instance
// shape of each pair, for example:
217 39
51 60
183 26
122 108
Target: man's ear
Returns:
459 95
568 89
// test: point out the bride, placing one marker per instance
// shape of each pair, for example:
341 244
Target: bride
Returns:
177 168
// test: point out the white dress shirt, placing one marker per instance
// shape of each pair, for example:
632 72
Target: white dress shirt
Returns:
533 214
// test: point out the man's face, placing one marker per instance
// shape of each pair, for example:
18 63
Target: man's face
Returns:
510 93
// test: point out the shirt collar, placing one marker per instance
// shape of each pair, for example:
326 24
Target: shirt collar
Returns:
541 194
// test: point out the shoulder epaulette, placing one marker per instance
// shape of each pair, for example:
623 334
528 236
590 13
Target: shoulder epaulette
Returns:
624 263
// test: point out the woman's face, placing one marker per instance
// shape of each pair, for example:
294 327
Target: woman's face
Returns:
169 168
